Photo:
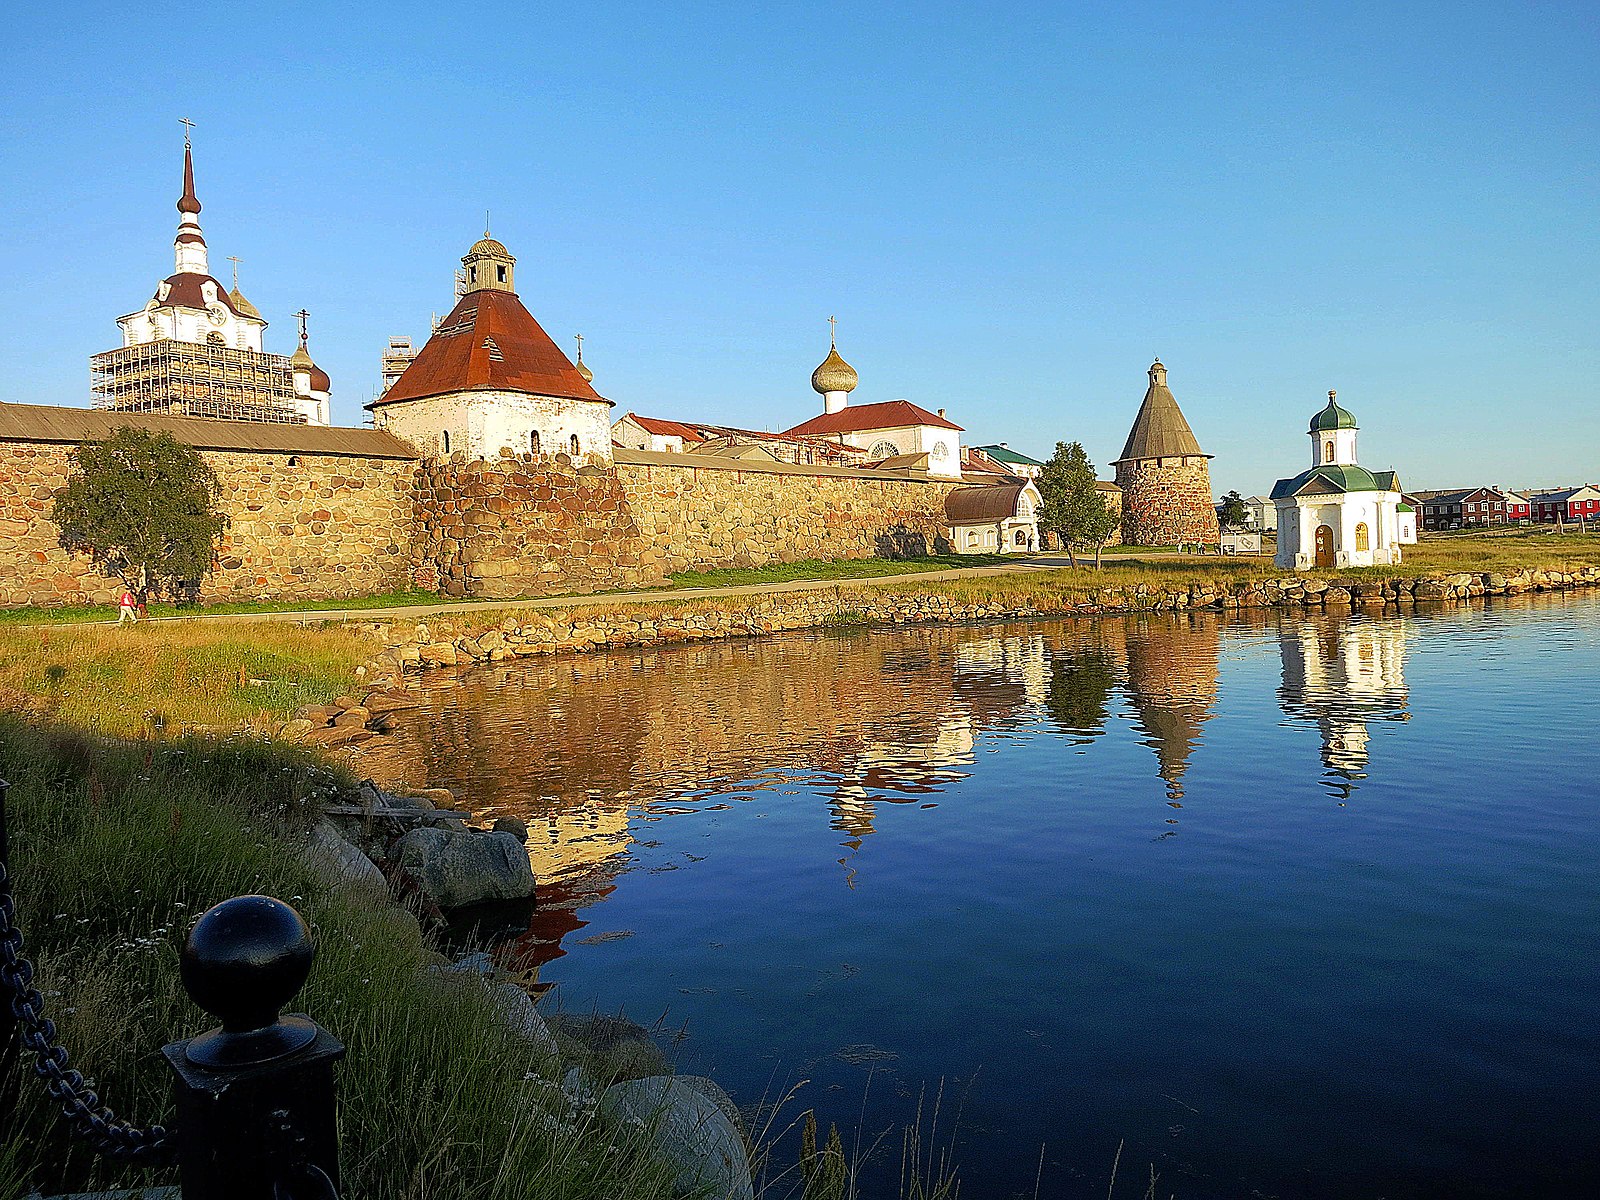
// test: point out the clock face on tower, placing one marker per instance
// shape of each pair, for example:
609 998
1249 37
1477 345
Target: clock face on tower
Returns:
217 314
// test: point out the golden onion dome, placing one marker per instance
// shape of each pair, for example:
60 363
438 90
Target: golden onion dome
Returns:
242 306
301 359
834 375
583 369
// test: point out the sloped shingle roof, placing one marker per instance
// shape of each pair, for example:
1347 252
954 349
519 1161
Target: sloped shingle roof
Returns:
48 423
1159 431
996 502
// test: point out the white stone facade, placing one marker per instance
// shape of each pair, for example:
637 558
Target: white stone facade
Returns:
1015 534
183 324
942 446
481 423
1338 514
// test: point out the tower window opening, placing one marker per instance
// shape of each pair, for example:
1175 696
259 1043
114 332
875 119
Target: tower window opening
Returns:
447 441
500 273
294 460
472 274
1327 451
574 445
533 441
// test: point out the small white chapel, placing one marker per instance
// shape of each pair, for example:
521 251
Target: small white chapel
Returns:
1337 514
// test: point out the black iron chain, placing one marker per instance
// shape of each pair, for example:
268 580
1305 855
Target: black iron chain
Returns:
89 1119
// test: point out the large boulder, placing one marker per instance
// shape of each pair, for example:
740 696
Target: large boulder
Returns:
689 1129
460 867
516 1009
339 862
611 1048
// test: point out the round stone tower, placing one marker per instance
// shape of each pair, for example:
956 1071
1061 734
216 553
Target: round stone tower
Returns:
1164 476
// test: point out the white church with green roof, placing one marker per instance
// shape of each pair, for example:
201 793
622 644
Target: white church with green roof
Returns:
1339 514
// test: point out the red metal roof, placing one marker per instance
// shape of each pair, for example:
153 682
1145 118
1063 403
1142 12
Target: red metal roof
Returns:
490 341
184 291
663 428
853 418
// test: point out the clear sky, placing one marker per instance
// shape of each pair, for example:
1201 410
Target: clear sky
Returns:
1010 208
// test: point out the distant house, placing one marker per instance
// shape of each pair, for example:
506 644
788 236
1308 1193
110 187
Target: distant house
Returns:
1016 464
1260 513
1441 509
1569 504
652 433
1518 510
996 518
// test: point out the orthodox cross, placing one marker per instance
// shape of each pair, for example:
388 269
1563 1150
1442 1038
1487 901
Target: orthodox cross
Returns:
833 329
187 126
578 337
235 260
302 314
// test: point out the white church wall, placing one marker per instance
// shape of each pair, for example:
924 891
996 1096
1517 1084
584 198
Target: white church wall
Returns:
482 423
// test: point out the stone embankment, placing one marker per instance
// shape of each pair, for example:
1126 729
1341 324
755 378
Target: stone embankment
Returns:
468 638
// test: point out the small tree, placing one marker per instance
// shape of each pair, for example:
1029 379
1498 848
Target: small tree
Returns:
143 506
1074 506
1233 512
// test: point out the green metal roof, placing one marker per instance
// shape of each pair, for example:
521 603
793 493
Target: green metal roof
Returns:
1404 508
1336 480
1001 454
1332 417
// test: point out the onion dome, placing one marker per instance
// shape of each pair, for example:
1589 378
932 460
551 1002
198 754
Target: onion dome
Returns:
319 379
300 360
834 374
1332 417
242 306
583 369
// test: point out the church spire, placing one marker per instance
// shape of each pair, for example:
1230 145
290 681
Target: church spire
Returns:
189 248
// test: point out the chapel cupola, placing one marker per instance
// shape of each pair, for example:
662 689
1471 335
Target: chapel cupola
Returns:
834 379
583 369
489 265
1333 436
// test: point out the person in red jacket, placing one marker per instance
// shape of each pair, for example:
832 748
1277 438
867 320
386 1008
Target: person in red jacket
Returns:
127 608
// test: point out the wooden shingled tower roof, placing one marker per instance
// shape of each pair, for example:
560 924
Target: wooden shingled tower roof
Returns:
1159 431
490 341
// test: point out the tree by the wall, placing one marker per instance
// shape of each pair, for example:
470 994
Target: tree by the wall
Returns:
1071 503
1233 513
143 506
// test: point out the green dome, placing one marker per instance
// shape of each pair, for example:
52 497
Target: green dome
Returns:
1332 417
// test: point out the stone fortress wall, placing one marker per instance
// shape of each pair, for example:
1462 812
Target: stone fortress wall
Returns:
711 513
304 526
325 525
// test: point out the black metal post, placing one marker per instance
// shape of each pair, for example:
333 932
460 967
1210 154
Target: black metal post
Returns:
255 1097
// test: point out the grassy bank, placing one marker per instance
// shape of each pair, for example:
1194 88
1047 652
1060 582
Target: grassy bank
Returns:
183 675
840 568
118 845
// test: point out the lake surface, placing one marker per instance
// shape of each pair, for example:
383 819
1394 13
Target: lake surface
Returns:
1289 906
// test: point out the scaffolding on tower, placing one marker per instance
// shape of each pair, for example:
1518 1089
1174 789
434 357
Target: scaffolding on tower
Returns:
185 379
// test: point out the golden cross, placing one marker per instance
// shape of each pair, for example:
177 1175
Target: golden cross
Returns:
235 260
833 329
187 126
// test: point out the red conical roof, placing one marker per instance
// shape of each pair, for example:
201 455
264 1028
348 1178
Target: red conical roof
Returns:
490 342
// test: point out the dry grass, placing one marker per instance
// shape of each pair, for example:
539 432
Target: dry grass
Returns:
185 674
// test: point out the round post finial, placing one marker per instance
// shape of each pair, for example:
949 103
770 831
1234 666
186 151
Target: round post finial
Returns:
243 961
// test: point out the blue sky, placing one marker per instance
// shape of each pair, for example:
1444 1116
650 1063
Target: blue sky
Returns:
1009 208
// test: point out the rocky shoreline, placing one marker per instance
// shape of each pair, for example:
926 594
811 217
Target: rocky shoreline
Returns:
462 640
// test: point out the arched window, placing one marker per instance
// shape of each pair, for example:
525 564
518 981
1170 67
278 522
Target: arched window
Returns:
574 445
215 339
1021 538
1361 534
533 441
294 460
1327 451
881 450
972 537
447 441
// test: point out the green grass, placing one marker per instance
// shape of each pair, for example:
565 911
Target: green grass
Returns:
835 568
79 614
117 846
190 674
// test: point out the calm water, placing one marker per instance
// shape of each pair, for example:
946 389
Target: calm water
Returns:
1296 907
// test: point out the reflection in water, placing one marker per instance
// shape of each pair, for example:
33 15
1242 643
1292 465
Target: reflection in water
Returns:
736 831
1343 674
